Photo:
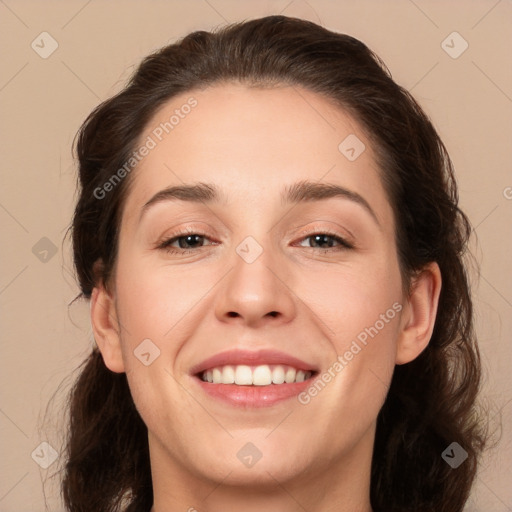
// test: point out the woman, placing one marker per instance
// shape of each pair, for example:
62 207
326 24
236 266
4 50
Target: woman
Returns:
269 236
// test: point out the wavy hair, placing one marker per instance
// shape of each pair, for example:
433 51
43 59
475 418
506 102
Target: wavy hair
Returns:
431 402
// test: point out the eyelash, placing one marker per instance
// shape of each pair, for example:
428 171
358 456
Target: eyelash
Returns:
343 244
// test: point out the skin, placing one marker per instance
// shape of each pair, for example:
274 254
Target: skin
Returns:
250 143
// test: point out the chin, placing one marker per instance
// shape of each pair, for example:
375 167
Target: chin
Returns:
262 475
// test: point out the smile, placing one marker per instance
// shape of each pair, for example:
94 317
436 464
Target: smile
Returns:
262 375
251 379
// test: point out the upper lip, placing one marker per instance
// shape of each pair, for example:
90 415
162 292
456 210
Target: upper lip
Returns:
251 358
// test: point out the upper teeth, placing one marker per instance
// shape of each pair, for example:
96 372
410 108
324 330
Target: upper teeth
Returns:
262 375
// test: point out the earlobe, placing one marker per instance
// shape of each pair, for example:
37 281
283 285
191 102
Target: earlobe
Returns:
105 328
420 314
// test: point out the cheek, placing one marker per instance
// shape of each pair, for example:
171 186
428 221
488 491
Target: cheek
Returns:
351 390
360 309
151 299
152 305
351 298
161 304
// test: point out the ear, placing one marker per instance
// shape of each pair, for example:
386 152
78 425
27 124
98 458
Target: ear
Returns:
419 314
105 328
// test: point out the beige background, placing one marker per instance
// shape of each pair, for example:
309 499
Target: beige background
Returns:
43 102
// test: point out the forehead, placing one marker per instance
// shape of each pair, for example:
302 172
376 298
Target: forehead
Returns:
253 141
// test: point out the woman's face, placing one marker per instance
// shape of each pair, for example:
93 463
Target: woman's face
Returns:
277 263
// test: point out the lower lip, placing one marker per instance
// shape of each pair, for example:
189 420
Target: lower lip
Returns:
253 396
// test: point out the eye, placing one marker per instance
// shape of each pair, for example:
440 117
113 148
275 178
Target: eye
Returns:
183 242
189 242
327 242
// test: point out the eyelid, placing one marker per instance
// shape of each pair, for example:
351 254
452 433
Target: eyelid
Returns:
164 241
315 228
342 241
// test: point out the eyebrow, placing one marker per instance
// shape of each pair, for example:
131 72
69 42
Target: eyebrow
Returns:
302 191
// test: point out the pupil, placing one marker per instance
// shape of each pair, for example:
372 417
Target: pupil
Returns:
189 240
319 238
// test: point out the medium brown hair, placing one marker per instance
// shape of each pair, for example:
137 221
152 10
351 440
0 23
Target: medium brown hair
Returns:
431 402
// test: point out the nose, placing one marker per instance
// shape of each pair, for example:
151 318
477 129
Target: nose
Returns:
254 294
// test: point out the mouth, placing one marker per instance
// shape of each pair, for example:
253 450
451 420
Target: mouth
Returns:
253 379
262 375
